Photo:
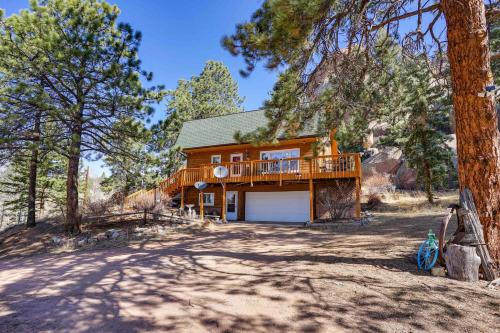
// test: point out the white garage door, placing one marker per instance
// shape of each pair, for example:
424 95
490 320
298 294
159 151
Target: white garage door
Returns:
290 206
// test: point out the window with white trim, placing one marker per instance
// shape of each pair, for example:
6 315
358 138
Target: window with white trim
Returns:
215 159
208 199
276 166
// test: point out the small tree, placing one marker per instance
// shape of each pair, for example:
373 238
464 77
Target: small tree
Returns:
131 164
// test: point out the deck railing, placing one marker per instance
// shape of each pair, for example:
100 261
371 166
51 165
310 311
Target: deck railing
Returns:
296 168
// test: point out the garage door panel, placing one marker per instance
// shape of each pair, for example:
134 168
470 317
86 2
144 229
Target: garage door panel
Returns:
290 206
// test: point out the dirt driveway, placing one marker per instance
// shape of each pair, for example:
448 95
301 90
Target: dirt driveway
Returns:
247 278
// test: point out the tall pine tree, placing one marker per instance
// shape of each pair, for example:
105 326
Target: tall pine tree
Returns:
212 93
88 65
421 126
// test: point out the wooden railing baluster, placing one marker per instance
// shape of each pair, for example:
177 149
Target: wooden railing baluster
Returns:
331 166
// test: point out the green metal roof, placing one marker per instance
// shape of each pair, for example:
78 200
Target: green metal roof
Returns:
220 130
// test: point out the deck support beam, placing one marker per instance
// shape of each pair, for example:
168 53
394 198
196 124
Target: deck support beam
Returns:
202 213
358 197
223 210
182 197
358 185
311 192
311 200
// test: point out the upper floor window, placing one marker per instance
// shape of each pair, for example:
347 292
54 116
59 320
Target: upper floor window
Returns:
215 159
274 166
279 154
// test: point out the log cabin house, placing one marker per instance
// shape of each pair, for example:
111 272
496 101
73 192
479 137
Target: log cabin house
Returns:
282 182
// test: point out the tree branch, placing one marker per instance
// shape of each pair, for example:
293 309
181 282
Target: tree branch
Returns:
406 15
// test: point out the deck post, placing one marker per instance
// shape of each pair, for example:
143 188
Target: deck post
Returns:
223 209
202 213
311 200
182 197
311 193
358 197
358 185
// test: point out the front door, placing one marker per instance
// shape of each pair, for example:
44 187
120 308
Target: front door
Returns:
231 205
236 168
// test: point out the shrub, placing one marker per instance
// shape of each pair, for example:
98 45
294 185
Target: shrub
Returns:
99 207
374 200
378 183
337 199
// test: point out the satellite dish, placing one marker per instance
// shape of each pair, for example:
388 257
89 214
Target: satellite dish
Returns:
220 172
200 185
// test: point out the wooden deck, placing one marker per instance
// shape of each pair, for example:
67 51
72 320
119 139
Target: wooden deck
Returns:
290 169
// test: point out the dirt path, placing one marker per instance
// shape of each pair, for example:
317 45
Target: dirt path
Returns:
246 278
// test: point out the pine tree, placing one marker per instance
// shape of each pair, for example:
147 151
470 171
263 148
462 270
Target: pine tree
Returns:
214 92
136 169
421 125
88 66
50 184
23 123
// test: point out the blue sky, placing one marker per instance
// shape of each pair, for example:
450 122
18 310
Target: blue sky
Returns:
180 36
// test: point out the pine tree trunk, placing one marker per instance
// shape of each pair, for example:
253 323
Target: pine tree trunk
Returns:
478 138
30 221
428 183
72 213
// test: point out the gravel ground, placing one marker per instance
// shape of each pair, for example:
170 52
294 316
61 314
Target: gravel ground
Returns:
251 278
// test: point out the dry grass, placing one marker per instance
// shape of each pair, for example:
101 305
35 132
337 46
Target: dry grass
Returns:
377 183
414 201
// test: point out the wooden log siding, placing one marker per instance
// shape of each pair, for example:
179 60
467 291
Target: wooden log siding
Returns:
346 165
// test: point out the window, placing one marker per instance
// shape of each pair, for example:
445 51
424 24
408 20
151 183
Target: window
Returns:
208 199
279 154
276 155
215 159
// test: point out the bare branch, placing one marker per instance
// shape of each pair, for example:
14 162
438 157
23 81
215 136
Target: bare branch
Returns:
406 15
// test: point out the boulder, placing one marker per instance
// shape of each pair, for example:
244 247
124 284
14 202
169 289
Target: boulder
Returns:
438 271
57 240
113 233
386 161
405 178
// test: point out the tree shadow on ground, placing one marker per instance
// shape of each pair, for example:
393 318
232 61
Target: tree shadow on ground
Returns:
239 278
